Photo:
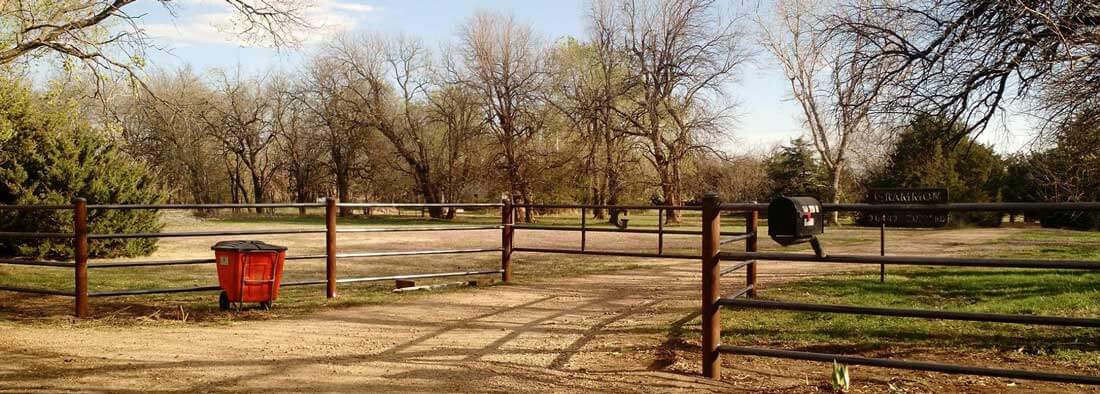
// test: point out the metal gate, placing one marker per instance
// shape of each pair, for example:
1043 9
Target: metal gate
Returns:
712 303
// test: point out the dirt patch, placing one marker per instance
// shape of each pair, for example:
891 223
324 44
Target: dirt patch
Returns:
626 331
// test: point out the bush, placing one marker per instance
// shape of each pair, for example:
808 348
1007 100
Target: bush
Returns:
49 155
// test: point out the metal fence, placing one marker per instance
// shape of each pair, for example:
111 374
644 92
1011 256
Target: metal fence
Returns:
712 302
81 262
712 271
584 229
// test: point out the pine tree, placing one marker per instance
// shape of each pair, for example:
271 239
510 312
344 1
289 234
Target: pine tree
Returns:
50 154
794 171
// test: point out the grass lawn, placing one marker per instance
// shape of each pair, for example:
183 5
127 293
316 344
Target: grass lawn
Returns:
1012 291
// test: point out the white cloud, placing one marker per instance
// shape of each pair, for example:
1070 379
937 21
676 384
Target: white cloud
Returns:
352 7
218 24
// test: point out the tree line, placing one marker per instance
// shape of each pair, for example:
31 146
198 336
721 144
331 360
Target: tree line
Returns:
634 110
630 112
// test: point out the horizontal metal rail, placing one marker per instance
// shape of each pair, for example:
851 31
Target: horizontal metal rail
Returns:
614 230
744 206
34 207
416 205
38 263
37 291
125 264
738 293
27 235
206 206
393 277
306 257
1000 206
910 365
156 263
599 206
968 207
952 207
415 228
608 253
117 293
131 264
915 260
736 238
414 253
303 283
735 267
919 313
419 276
204 234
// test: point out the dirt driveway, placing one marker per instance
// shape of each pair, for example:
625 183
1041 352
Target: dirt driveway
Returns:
618 332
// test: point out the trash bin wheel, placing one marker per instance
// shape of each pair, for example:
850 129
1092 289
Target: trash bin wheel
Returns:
223 301
266 305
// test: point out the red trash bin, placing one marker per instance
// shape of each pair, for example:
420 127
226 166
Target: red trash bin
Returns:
248 271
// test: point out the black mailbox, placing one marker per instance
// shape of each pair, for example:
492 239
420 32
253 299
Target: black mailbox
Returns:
793 220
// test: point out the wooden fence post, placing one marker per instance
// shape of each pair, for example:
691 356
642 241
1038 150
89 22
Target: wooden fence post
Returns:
330 247
80 255
507 219
712 324
752 226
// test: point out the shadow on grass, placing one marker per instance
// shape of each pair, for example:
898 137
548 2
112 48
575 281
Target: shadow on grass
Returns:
1024 291
1006 291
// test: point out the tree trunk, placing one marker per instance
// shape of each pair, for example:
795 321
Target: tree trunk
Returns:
834 217
343 191
671 192
598 199
301 195
258 191
429 192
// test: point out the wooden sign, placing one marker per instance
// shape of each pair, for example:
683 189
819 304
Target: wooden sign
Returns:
906 196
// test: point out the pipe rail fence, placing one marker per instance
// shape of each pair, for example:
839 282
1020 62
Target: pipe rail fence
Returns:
712 255
81 237
584 229
712 302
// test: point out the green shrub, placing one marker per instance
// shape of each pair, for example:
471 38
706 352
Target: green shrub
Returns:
50 154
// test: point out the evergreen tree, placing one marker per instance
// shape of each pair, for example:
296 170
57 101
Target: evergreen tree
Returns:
924 157
794 171
49 154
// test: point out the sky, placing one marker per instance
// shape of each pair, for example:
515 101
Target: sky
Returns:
189 35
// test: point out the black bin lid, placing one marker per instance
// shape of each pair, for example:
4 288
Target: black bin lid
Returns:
247 246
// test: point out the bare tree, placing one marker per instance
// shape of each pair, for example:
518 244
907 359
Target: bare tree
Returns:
835 98
457 115
298 144
681 54
736 178
104 38
501 60
323 92
967 60
166 132
240 118
588 79
391 78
